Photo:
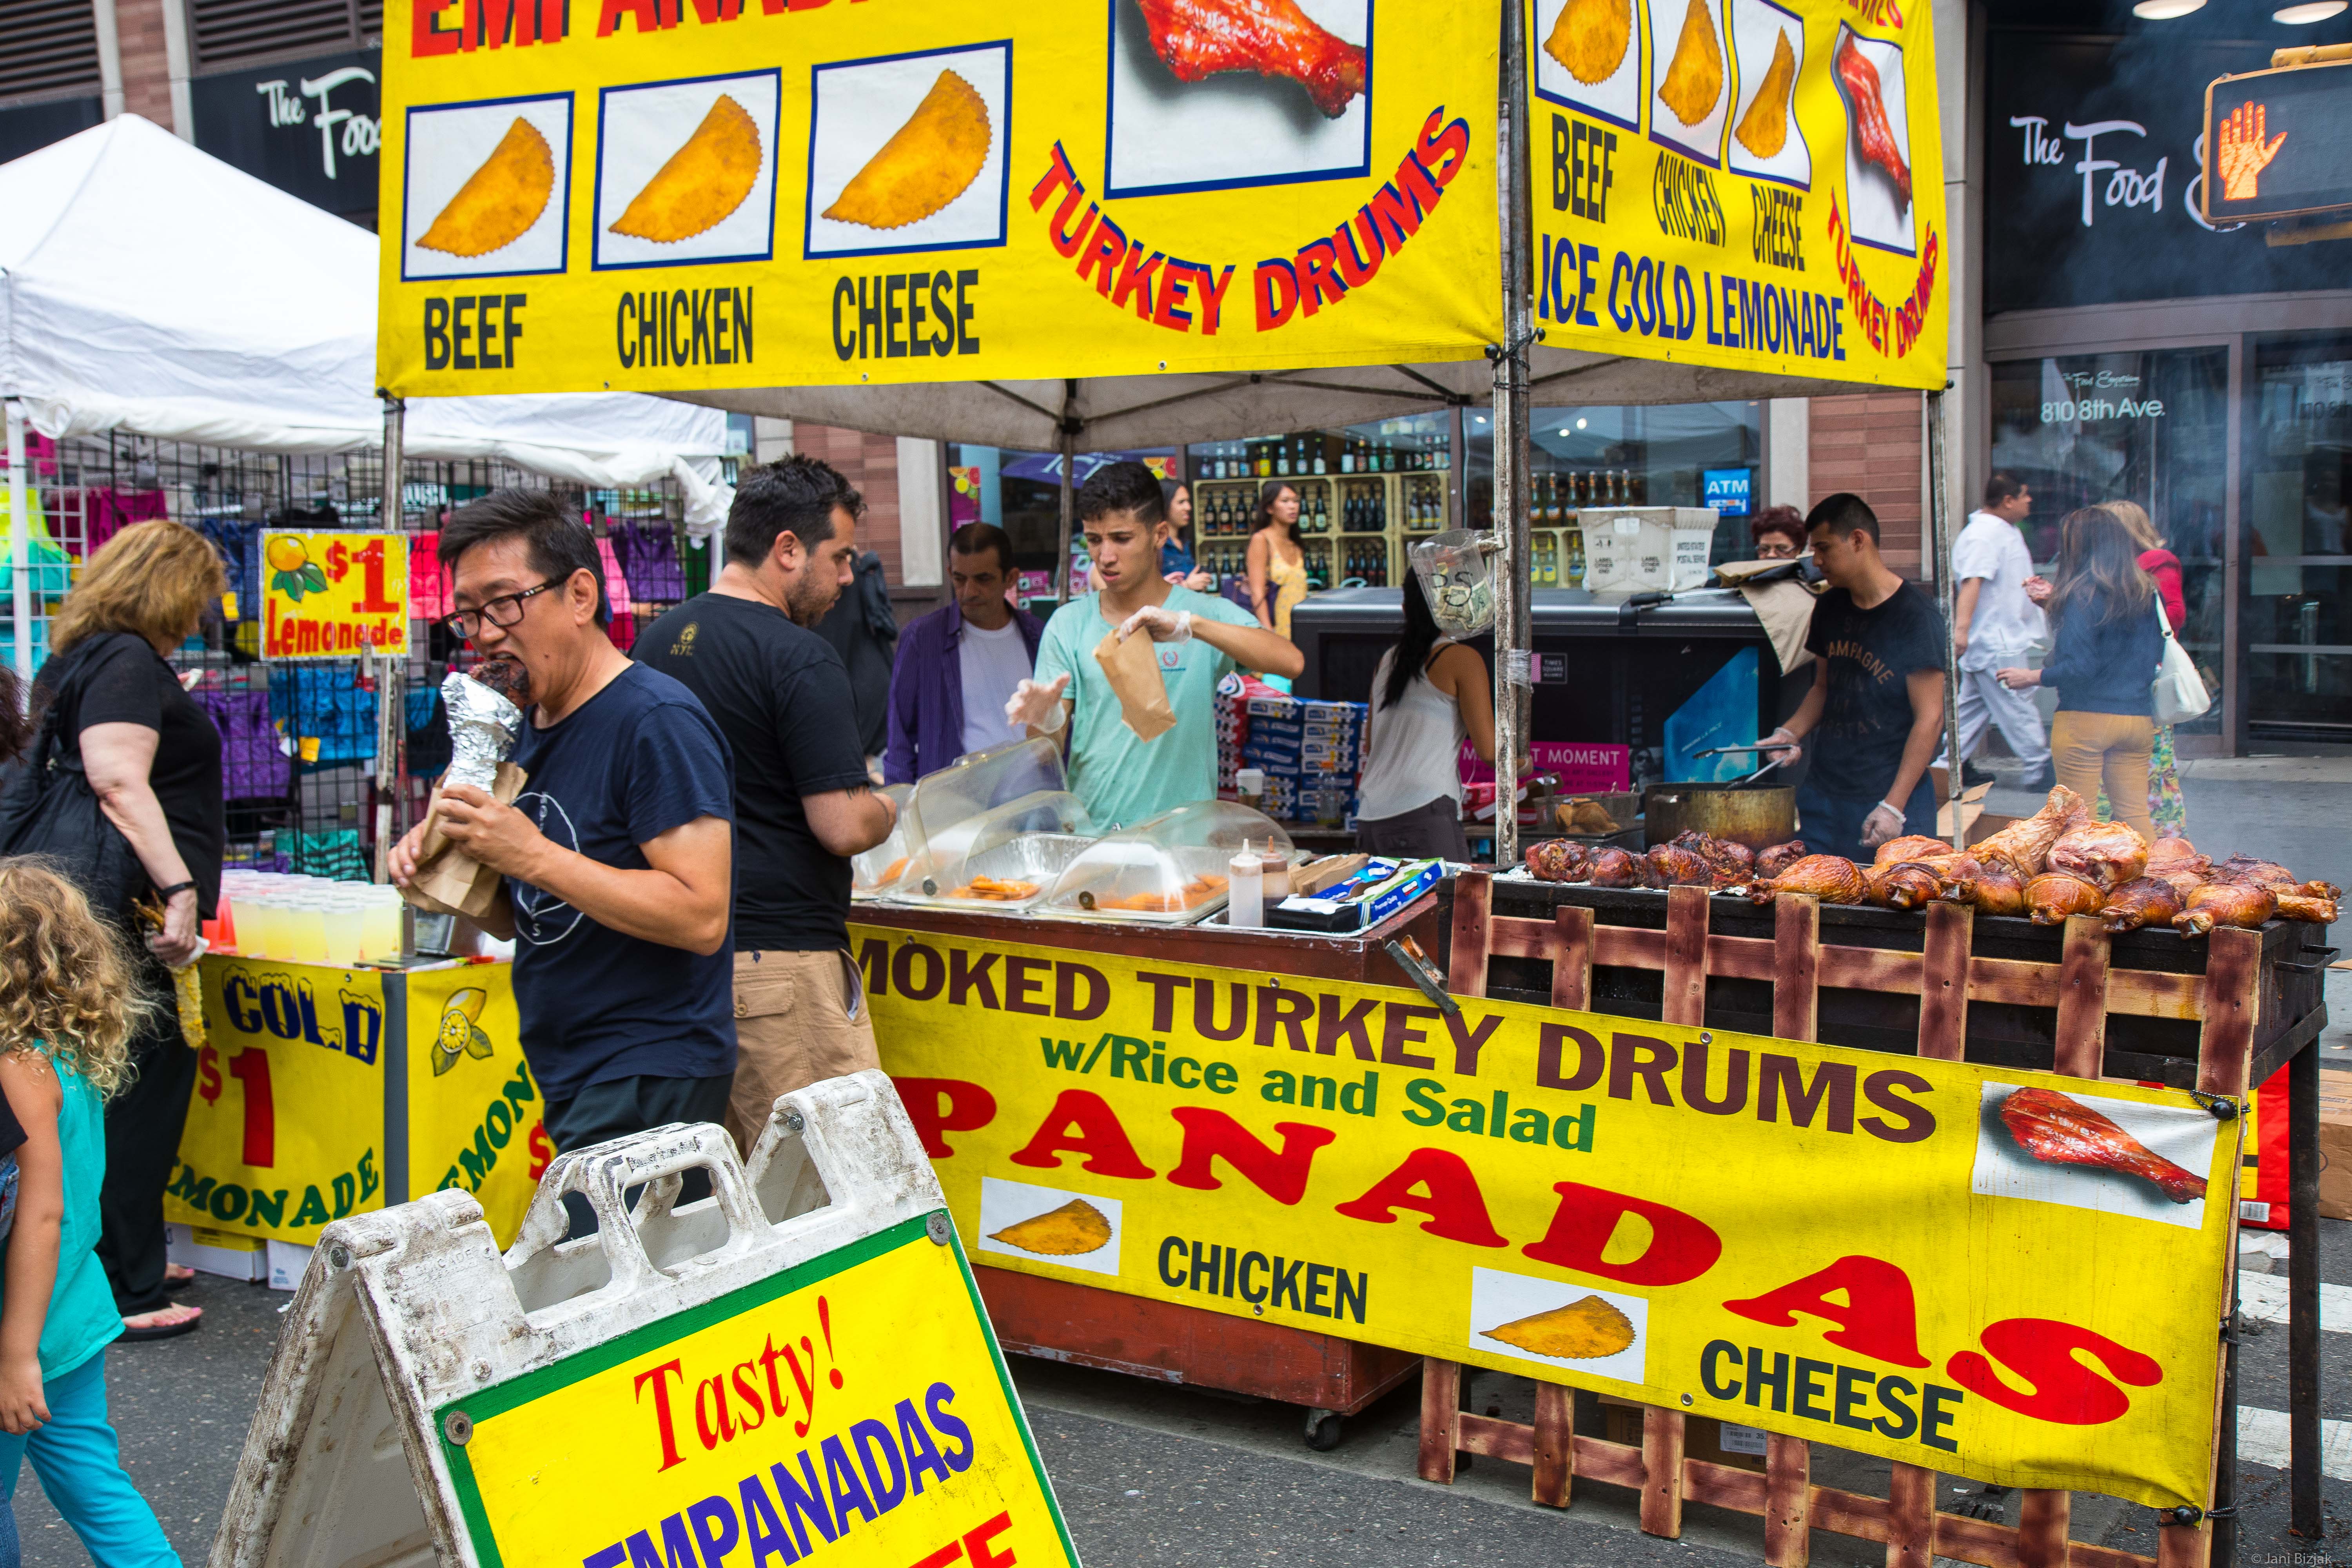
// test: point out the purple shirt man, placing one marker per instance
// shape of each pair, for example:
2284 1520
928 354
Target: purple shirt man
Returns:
958 666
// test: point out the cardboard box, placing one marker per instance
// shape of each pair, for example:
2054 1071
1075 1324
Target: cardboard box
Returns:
287 1262
2335 1144
1639 548
1703 1436
221 1252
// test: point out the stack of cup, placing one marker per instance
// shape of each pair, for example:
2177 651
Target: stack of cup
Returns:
310 920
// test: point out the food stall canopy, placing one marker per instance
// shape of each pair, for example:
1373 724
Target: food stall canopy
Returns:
148 287
1141 411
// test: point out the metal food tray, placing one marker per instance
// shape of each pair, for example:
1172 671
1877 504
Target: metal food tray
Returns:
1039 858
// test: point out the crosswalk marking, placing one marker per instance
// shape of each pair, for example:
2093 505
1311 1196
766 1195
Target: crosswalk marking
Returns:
2262 1440
2261 1299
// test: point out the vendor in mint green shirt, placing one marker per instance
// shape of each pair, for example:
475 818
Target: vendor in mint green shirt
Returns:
1199 638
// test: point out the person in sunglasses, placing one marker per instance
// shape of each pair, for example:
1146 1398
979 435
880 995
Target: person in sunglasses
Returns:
619 853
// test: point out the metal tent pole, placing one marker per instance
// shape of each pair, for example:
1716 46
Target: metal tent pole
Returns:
391 729
1940 548
1512 627
20 545
1068 430
2304 1362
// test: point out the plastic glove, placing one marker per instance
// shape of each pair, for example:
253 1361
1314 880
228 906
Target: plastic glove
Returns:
1781 747
1038 706
1883 825
1164 625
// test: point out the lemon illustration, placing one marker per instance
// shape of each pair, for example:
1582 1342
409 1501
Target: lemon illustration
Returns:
292 572
459 1032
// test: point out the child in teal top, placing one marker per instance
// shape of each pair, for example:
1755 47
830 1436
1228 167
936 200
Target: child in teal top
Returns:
65 1030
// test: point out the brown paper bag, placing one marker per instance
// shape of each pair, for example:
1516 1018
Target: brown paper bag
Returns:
448 881
1132 667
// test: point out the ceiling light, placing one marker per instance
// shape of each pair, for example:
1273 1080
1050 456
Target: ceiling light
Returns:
1563 432
1580 424
2166 10
2304 14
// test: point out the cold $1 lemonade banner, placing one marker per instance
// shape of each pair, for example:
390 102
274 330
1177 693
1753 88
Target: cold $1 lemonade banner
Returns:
580 194
1942 1264
1749 184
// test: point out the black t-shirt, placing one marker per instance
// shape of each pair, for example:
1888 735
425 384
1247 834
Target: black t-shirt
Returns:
782 698
634 761
123 681
1869 656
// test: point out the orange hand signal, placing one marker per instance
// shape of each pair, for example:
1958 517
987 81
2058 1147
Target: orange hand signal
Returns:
2244 154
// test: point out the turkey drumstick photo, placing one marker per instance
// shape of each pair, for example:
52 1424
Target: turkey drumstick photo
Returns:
1198 38
2059 1130
1874 133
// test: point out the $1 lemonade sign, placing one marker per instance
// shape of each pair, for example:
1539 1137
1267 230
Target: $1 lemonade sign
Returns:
853 1409
1840 1244
331 596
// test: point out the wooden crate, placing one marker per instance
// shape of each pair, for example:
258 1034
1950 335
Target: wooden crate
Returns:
1930 967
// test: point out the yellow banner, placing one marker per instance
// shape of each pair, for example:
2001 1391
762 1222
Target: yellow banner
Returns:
475 1117
331 595
285 1132
821 1405
656 195
1907 1258
1756 184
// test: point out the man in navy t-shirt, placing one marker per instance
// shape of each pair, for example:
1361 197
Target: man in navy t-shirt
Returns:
618 855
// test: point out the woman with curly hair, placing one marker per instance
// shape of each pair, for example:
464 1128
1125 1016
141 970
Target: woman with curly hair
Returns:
67 1012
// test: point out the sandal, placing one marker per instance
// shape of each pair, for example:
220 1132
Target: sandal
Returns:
178 1277
164 1324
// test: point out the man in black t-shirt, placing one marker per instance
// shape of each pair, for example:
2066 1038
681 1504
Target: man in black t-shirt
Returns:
803 803
1877 708
616 856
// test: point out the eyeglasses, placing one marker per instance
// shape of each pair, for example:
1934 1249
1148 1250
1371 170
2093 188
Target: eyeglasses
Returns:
1777 553
504 611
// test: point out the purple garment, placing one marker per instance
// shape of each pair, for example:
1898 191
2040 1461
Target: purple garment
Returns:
109 512
253 766
648 554
926 692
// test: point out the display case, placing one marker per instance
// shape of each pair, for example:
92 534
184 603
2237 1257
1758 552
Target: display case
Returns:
1352 527
1006 858
1170 869
873 874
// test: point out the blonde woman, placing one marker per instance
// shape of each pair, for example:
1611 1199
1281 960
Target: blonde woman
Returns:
67 1011
111 703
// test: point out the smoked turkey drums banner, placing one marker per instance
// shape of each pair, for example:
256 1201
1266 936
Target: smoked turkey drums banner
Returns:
1742 184
1942 1264
667 194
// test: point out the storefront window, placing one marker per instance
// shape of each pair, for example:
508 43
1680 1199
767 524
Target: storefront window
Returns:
2296 556
1686 454
2150 426
1365 491
1020 492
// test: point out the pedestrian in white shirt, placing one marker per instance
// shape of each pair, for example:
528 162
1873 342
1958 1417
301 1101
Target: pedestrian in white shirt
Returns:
1994 624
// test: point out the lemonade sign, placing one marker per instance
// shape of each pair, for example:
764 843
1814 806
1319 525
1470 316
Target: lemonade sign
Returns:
331 595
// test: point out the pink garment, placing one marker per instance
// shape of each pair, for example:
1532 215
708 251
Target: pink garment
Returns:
428 585
108 511
617 586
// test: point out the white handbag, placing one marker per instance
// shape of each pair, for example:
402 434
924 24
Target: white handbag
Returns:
2178 694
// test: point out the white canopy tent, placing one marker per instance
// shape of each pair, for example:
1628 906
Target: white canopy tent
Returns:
149 288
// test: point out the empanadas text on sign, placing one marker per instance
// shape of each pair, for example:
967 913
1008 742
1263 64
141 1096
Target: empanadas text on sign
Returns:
1694 80
703 182
1075 1228
1589 39
927 163
500 200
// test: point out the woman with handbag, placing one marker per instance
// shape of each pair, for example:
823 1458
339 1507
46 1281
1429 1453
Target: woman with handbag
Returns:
2166 807
2106 648
122 792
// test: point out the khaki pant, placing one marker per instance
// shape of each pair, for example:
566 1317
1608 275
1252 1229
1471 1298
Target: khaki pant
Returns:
2091 749
799 1017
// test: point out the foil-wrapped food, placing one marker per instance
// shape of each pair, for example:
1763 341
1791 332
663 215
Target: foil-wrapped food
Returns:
484 723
